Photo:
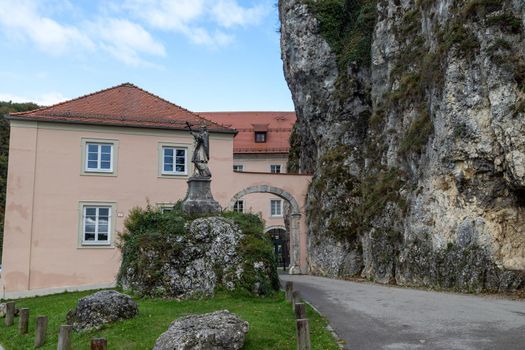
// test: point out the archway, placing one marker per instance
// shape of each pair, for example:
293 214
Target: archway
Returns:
295 219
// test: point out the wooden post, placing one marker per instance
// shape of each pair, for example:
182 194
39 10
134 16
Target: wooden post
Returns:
64 337
296 298
303 335
24 321
10 313
99 344
300 311
288 287
41 331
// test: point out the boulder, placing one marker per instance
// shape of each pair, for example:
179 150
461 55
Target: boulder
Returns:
100 308
213 331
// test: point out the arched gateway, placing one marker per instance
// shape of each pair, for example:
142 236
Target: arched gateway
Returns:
295 219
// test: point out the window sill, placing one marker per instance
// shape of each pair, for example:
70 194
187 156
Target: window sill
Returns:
173 176
276 216
98 173
96 246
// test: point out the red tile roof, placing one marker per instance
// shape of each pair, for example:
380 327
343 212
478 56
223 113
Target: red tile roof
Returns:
122 105
279 125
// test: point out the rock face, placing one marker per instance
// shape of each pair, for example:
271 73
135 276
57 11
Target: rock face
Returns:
411 115
214 331
100 308
206 254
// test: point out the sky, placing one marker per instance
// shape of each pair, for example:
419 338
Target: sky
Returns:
205 55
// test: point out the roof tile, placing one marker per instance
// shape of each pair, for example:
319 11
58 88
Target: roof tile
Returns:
122 105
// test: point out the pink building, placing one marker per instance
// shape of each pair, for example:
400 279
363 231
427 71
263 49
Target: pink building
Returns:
78 167
261 145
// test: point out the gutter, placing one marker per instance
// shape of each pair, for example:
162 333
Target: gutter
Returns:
122 124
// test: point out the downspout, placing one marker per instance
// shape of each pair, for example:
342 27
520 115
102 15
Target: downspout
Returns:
32 211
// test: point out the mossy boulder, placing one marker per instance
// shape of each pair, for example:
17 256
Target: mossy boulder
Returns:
176 255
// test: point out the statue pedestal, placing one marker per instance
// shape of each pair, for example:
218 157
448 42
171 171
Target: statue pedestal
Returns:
199 199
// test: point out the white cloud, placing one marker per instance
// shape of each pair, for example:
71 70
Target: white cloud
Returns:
166 14
46 99
204 22
122 39
125 40
21 18
228 13
187 17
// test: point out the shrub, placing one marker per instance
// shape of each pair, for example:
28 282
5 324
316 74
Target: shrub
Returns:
161 257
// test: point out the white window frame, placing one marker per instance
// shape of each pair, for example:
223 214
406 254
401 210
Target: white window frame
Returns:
275 166
175 149
85 170
240 201
276 215
99 168
238 167
97 242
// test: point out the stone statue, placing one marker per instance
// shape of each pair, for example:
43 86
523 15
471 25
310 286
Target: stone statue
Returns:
201 154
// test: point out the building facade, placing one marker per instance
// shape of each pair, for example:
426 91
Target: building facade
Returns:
77 168
262 145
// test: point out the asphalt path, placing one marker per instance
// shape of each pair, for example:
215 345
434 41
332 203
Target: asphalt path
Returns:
371 316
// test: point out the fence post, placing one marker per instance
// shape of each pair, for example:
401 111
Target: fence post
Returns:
41 331
24 321
300 311
99 344
303 335
10 313
296 298
288 287
64 337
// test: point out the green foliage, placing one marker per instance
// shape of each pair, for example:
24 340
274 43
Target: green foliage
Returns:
347 26
479 8
507 22
294 154
358 199
5 108
272 322
153 239
417 135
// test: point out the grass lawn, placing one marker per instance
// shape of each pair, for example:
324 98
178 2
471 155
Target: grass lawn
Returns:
272 322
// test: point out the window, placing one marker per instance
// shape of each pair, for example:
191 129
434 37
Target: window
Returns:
276 207
275 168
237 167
260 136
239 206
96 224
99 157
174 160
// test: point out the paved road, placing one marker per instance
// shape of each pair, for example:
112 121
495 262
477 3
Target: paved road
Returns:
369 316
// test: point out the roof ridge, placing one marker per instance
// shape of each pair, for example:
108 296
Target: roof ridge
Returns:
178 106
74 99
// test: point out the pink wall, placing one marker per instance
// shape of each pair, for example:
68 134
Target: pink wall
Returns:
41 247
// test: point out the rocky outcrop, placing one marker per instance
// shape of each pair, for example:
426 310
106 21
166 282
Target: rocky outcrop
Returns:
193 259
415 138
216 330
106 306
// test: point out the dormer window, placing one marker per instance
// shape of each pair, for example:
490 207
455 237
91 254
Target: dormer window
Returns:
260 136
261 132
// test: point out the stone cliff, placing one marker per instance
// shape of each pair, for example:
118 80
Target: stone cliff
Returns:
411 115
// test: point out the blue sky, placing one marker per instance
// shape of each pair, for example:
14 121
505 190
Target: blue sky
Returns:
205 55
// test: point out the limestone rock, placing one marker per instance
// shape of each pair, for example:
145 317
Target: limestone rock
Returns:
100 308
213 331
418 152
194 263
